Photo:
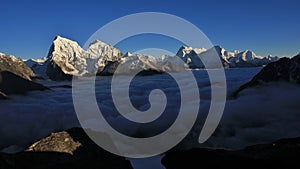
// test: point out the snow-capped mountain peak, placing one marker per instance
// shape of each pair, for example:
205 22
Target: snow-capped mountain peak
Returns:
128 54
184 50
67 57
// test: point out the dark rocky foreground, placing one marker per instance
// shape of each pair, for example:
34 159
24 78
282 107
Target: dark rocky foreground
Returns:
73 149
67 149
11 83
282 154
16 77
285 69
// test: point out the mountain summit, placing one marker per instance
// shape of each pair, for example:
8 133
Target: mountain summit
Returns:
67 58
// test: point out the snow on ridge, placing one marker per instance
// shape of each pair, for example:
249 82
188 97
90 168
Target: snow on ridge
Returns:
236 58
32 62
12 57
72 59
15 65
127 54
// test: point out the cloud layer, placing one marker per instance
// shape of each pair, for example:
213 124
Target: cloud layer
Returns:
258 115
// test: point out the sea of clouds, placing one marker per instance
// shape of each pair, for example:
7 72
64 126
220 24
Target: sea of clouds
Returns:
258 115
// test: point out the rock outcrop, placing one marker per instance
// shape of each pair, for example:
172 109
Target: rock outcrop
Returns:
61 142
16 66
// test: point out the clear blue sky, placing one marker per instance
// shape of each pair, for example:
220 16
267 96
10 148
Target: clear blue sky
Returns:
266 27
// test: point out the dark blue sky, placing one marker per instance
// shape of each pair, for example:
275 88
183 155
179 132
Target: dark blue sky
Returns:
266 27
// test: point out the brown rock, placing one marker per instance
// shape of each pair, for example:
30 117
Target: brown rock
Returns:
16 66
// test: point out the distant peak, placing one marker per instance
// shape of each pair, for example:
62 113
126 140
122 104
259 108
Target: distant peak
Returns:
218 46
98 42
127 54
60 38
185 47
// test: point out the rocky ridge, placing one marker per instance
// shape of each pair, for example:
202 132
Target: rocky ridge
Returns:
16 66
16 77
284 70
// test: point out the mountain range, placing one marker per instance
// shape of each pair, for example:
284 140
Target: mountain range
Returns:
73 148
66 58
247 58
